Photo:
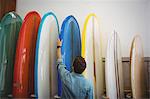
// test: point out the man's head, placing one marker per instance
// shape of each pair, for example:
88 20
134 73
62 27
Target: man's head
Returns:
79 65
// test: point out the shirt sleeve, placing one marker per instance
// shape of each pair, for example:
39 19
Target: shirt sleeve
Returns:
65 75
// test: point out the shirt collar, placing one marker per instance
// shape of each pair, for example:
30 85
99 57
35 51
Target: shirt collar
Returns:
77 74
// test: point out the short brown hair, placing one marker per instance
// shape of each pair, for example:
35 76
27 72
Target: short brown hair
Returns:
79 65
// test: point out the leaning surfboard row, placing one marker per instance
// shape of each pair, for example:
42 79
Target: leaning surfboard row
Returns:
28 57
28 54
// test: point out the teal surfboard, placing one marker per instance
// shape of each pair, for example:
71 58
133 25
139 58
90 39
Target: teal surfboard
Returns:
10 27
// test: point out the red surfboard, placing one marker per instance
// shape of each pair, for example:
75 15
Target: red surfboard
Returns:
23 84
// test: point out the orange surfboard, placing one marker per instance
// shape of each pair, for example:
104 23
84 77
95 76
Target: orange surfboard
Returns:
23 84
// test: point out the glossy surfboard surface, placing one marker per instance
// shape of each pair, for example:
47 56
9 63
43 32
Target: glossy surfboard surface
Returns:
91 51
10 27
137 69
45 63
113 69
71 44
23 84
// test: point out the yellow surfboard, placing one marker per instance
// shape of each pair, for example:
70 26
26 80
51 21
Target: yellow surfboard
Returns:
91 51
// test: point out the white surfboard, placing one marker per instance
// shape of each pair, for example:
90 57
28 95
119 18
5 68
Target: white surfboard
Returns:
45 68
137 69
91 51
113 69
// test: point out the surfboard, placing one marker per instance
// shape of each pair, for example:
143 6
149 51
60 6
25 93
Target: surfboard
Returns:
137 69
91 51
45 62
11 24
0 28
71 44
113 69
23 84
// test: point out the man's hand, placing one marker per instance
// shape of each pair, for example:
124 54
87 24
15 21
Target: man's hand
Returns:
59 44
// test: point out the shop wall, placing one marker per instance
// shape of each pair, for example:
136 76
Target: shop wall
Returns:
148 28
127 17
6 6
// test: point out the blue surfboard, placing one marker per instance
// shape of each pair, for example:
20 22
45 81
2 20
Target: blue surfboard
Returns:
71 44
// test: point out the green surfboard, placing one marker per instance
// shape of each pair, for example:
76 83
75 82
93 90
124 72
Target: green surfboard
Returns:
10 27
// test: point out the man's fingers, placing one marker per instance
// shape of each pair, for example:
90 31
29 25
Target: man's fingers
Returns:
59 43
58 40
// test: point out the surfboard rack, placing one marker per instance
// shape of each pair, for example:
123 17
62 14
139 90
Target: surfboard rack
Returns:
127 94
